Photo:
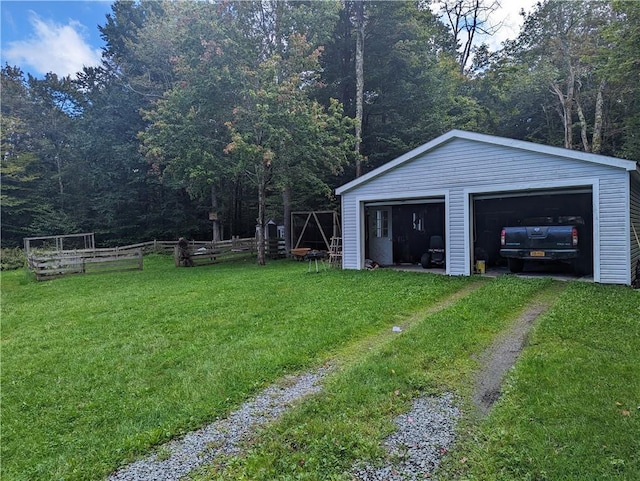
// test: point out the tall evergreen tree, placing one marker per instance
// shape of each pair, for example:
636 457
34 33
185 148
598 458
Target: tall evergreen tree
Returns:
21 172
130 195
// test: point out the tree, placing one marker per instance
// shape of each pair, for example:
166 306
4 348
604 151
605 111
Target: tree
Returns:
360 25
279 134
218 51
516 100
57 103
270 25
561 41
130 198
567 79
467 19
186 135
37 156
19 162
621 67
413 91
138 48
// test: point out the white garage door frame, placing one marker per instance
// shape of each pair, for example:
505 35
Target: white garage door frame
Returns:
526 188
381 199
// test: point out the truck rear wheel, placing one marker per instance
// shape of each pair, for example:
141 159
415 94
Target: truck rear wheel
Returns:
515 265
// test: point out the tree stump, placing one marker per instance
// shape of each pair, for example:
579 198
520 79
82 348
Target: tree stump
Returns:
182 254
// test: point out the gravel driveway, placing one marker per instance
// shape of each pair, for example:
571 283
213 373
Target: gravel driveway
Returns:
423 435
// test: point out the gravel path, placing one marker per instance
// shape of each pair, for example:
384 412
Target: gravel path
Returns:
422 438
181 456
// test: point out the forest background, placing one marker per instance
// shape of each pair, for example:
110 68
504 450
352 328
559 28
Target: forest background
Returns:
206 119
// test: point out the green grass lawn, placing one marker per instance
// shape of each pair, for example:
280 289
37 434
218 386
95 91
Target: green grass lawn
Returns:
97 370
571 409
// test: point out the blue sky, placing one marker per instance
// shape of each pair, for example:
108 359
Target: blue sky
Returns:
52 36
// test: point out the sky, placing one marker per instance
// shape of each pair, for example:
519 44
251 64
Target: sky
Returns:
62 36
509 16
52 36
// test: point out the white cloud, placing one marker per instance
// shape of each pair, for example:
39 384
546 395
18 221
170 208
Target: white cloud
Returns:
507 17
53 47
510 20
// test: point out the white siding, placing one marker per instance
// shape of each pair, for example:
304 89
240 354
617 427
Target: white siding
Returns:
614 229
634 210
350 233
461 166
456 237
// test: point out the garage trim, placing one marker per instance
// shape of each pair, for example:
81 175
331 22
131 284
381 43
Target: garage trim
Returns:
628 165
532 193
411 201
366 200
593 183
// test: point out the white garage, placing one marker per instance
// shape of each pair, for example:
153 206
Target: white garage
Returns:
462 187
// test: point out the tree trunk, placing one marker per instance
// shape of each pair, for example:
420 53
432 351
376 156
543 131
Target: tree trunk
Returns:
596 142
566 111
214 210
568 127
466 17
263 179
360 26
583 127
262 204
471 30
60 184
286 202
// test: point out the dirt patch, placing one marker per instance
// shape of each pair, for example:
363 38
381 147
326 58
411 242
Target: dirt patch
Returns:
503 353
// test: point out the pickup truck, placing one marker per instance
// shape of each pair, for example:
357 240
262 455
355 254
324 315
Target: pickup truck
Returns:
545 239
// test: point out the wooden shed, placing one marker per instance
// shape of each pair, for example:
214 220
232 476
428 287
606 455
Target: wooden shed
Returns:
465 186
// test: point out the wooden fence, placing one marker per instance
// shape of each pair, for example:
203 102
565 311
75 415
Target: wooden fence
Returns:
203 253
247 244
60 243
90 261
49 264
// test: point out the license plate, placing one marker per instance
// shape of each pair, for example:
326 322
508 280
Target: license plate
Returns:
536 253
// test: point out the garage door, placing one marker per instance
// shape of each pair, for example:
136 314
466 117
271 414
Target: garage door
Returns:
491 212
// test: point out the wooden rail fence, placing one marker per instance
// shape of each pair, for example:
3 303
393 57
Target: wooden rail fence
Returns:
49 265
203 253
52 263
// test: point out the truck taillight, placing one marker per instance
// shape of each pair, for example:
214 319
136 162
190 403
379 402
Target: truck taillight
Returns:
502 236
574 236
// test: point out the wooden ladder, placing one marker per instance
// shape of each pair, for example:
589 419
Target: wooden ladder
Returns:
335 252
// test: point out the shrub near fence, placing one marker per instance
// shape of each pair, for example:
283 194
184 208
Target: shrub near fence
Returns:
12 258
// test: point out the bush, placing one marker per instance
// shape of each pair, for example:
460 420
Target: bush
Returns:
13 259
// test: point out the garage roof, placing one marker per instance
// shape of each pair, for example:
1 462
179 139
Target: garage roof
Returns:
628 165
